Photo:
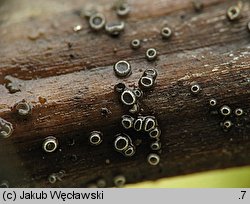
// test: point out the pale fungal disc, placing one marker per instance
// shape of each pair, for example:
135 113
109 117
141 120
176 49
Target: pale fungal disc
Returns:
101 183
4 184
233 13
121 143
225 110
114 28
135 44
155 133
127 121
195 88
155 146
151 54
212 102
119 181
95 138
166 32
52 178
23 108
138 124
128 97
50 144
97 21
150 72
227 124
238 112
122 68
149 124
123 9
146 82
130 151
6 129
153 159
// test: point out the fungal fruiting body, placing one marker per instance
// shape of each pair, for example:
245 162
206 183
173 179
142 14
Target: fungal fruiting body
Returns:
114 28
195 88
234 13
97 21
23 108
95 138
151 54
135 44
124 145
122 9
122 68
6 128
148 78
50 144
153 159
166 32
119 180
225 110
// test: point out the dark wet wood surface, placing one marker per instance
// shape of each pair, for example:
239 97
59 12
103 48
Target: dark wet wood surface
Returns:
68 78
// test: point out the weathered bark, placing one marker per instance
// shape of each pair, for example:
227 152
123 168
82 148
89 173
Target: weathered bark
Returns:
68 78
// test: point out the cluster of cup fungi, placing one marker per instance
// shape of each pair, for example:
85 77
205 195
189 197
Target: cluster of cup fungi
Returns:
130 98
97 20
228 114
134 120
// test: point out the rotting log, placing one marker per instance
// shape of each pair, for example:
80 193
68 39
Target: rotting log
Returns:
68 78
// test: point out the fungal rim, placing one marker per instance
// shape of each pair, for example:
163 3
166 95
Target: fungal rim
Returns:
166 32
130 94
212 102
132 151
238 112
140 121
153 159
114 28
127 118
23 108
149 84
233 13
119 180
155 145
138 92
95 26
101 183
195 88
135 43
158 133
95 135
122 68
4 184
148 120
227 124
120 87
151 54
52 178
227 108
123 9
6 128
151 72
124 146
49 140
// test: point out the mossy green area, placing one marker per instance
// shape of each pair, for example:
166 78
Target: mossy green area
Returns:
226 178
